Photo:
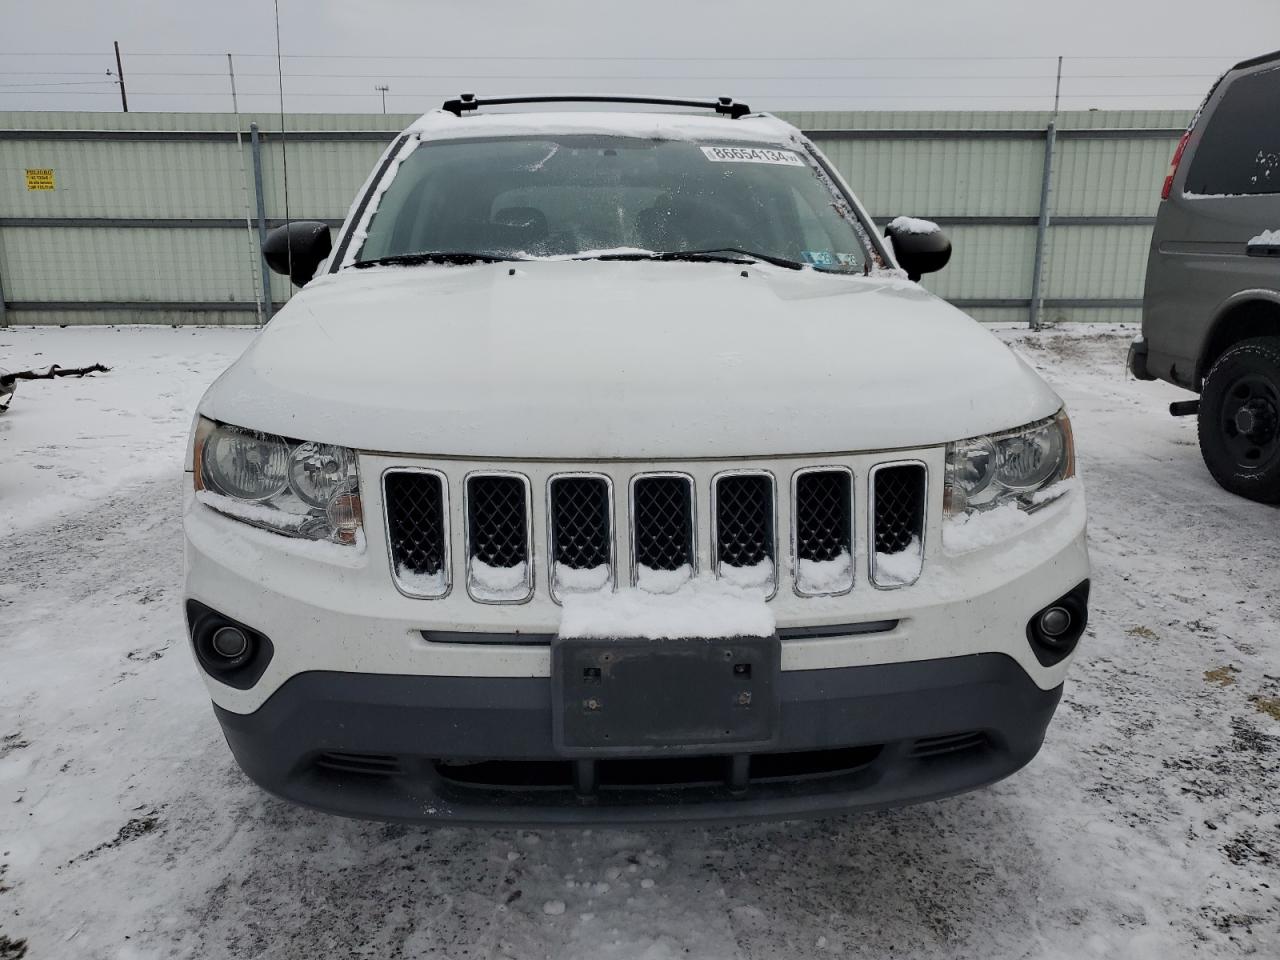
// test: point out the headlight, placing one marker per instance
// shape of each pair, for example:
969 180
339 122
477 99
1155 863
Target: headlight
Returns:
300 489
1013 466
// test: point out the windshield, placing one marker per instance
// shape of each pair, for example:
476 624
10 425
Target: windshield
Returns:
565 196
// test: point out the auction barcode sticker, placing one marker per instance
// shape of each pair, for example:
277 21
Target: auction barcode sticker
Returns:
752 155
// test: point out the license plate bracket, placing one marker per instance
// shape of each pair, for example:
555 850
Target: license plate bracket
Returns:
651 697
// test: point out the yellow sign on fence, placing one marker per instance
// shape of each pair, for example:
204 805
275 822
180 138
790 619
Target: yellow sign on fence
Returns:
40 179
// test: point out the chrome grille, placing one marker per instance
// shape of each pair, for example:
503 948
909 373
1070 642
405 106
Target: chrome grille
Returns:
744 519
824 514
898 492
417 525
662 521
499 557
580 534
499 508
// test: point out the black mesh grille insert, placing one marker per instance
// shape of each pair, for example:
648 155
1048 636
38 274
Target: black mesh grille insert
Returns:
744 519
415 520
824 511
899 505
580 527
496 520
663 522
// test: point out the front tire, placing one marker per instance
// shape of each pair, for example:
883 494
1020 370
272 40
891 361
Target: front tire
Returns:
1239 422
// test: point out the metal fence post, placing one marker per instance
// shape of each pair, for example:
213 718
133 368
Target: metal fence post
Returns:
255 143
4 316
1042 228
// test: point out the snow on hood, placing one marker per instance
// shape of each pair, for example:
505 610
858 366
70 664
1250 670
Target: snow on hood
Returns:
599 360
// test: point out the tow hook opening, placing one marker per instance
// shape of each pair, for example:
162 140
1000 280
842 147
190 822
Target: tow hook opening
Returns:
227 650
1054 630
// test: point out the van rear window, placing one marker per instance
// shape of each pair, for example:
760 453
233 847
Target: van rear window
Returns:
1239 152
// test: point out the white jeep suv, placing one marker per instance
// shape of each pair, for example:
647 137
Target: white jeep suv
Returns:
611 467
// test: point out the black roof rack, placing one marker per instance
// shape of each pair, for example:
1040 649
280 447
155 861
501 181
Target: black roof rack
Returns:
1257 61
469 101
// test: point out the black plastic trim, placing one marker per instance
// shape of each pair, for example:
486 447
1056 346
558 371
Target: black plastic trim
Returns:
420 721
1257 61
469 102
336 262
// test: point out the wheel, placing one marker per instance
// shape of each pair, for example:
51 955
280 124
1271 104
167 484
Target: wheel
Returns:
1239 422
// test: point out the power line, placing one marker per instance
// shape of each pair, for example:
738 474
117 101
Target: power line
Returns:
671 76
616 59
761 96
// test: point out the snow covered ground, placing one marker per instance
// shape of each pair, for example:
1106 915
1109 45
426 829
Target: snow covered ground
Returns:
1149 826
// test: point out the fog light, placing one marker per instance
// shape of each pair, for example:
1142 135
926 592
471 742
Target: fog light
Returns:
1054 622
1055 630
229 642
230 652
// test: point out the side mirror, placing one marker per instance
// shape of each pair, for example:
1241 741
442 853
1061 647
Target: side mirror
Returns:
920 246
308 241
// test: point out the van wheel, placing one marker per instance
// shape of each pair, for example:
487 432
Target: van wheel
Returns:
1240 419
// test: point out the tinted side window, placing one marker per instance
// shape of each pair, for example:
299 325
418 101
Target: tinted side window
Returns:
1240 149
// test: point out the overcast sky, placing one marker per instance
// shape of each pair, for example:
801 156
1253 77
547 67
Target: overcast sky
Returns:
774 54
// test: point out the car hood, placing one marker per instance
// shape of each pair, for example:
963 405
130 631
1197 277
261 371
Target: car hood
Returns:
631 360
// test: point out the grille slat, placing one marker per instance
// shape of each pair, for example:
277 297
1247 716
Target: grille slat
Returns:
417 528
498 520
580 533
823 530
745 538
898 499
662 522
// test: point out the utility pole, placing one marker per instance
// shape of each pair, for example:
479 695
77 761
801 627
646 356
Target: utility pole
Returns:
382 89
1057 90
244 192
1042 222
124 98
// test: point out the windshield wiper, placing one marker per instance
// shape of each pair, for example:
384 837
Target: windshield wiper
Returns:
718 255
437 256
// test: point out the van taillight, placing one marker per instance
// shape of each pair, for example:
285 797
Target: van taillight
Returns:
1173 166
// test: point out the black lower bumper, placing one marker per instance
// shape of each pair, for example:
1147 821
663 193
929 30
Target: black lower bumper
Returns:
1137 359
480 749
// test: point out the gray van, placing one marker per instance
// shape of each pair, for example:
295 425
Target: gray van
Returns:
1211 310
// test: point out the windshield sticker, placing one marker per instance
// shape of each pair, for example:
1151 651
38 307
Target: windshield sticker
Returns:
752 155
826 258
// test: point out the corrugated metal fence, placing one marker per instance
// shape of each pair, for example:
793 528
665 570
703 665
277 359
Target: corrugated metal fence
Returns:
146 221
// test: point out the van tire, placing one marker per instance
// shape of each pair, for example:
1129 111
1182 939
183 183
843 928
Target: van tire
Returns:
1239 423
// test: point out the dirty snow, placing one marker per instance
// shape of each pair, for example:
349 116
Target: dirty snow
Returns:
826 576
1266 238
913 225
702 607
1148 827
